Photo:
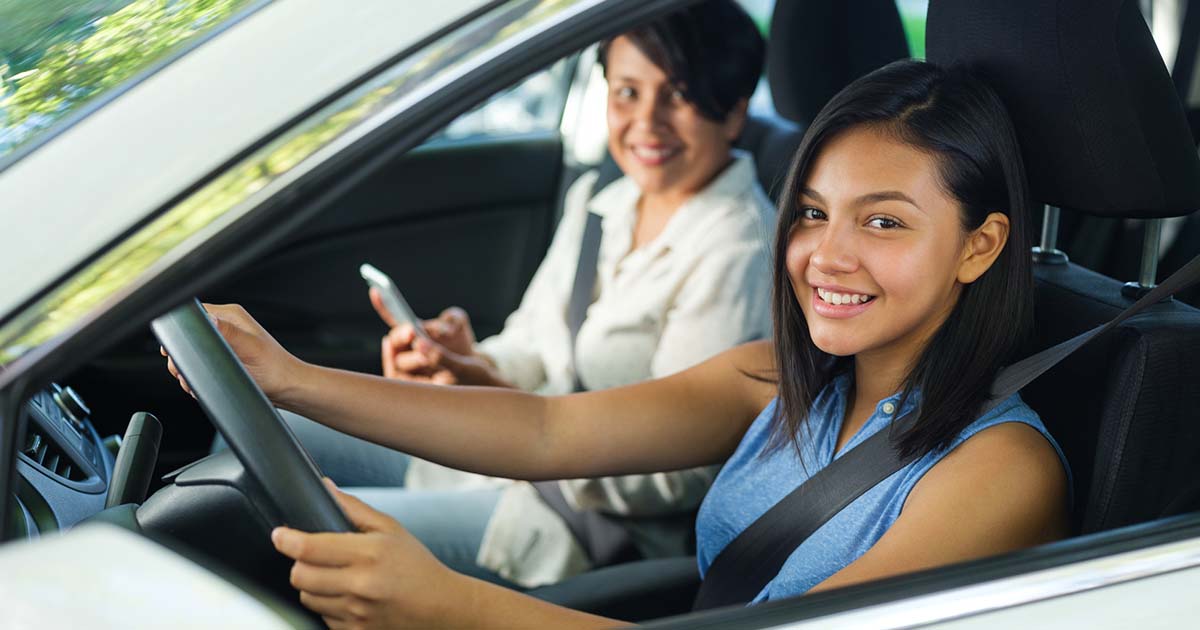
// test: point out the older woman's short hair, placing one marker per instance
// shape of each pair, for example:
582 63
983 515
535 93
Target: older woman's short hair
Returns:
712 51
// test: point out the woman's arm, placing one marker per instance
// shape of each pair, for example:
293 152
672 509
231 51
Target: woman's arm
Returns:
693 418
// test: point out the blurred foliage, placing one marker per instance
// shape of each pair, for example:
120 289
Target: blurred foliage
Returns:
29 28
62 54
914 30
912 16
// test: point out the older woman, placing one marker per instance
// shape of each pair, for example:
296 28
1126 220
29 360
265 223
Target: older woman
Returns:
682 274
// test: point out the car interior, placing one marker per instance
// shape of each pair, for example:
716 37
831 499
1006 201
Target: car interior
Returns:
1108 149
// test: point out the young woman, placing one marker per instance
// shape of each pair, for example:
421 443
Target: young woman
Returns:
683 273
902 285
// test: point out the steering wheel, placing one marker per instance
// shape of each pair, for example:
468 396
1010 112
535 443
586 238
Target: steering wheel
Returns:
256 433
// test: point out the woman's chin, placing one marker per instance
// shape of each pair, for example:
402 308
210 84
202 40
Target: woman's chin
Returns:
836 347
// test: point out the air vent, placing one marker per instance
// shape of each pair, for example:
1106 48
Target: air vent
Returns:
48 455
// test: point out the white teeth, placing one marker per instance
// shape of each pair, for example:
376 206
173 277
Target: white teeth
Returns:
653 154
838 299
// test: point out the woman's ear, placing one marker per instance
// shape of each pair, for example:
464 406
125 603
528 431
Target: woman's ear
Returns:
983 246
736 120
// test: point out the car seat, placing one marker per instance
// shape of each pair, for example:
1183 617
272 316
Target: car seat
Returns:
1113 246
1103 132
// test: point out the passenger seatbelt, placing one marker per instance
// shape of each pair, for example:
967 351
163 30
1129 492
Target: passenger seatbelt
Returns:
754 558
583 289
605 539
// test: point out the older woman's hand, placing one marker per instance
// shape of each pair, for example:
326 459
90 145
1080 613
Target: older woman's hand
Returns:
448 357
380 578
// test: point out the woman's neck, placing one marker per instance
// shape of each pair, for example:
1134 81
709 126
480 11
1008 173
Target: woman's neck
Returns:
655 209
653 214
875 378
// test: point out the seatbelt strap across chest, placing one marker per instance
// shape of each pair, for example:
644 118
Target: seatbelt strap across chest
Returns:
605 539
583 290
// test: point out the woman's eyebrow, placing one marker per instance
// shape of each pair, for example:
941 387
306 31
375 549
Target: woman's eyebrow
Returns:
885 195
867 199
814 195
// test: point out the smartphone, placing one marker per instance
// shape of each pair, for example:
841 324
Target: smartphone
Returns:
392 300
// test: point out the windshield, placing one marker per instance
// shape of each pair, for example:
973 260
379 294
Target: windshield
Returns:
57 56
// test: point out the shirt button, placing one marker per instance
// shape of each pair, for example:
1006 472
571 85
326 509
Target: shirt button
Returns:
889 408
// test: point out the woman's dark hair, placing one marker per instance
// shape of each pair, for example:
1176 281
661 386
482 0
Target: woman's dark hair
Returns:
957 119
712 52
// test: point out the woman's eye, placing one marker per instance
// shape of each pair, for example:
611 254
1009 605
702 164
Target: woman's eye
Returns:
812 214
677 96
626 93
884 223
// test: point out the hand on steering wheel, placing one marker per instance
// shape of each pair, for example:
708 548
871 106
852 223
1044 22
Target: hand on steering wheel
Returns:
206 366
380 578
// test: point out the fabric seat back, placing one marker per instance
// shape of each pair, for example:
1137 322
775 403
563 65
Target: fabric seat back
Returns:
1124 408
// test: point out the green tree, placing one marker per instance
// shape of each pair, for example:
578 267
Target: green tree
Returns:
112 49
29 29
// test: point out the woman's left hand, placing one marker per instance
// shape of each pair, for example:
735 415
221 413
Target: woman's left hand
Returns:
380 578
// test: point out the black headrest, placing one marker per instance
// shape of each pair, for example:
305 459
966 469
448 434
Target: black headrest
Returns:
817 47
1101 125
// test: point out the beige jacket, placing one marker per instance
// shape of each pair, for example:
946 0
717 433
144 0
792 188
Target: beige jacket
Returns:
701 287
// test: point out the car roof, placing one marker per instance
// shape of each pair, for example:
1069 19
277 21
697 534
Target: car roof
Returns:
100 177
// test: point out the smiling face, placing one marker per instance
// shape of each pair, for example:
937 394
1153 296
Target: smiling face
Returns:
878 254
658 138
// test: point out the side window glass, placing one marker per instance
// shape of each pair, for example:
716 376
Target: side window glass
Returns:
760 11
535 104
912 15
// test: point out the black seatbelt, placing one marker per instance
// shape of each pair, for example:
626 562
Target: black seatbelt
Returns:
605 539
583 289
747 564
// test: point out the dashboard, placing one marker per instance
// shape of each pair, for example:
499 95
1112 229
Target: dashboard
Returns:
63 467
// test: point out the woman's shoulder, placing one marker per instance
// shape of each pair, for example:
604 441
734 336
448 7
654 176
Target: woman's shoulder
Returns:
1008 453
1009 431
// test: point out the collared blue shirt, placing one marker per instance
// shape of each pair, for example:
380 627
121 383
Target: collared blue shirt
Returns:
751 483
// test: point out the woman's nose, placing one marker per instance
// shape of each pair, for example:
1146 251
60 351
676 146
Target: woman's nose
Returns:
649 111
835 253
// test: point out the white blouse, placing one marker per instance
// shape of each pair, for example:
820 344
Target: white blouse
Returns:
702 286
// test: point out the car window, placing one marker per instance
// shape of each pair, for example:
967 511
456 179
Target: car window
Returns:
535 104
56 56
912 16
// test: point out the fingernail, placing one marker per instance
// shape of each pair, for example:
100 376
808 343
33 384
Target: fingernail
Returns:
276 535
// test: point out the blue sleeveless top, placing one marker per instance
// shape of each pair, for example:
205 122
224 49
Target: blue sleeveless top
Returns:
750 484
